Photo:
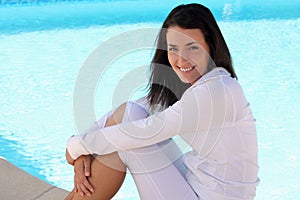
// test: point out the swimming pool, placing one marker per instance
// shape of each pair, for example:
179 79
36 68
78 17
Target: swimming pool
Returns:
43 45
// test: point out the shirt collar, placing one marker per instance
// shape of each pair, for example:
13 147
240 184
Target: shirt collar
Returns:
213 74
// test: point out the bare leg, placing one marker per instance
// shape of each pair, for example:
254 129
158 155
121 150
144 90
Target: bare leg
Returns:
153 168
105 179
70 195
108 171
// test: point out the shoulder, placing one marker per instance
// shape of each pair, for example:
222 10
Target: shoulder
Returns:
216 88
218 79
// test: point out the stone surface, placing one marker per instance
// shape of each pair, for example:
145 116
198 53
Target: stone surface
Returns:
18 184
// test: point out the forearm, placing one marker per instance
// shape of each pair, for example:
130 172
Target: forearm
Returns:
77 146
94 142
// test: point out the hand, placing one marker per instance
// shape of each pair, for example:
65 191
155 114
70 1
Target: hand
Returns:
82 169
69 159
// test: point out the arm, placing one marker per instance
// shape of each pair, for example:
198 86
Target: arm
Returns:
82 165
96 141
109 119
200 110
126 112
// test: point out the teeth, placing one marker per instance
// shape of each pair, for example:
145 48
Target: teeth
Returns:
186 69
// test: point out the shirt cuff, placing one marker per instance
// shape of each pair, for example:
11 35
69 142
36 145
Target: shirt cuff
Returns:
75 147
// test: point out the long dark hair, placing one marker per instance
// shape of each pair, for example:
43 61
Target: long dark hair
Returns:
165 88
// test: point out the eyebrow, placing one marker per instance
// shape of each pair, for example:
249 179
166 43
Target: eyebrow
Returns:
188 44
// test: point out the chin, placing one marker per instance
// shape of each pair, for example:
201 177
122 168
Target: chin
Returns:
189 79
185 81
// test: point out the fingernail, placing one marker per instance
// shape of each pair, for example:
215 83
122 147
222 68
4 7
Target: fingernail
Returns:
87 173
81 194
88 194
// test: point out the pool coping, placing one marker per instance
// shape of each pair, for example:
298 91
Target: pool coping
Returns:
18 184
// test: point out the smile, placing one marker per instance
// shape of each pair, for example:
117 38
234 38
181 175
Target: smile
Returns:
186 69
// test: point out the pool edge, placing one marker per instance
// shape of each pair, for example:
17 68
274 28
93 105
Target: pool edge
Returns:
18 184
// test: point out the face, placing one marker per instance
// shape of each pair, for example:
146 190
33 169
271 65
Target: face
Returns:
188 53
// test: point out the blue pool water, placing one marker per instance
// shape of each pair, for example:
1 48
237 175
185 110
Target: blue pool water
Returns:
43 45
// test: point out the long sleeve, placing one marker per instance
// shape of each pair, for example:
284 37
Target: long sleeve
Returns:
77 147
200 110
127 135
136 110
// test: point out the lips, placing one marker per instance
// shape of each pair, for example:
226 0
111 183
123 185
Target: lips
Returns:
187 69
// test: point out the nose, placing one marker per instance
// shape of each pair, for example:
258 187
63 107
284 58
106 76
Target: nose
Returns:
182 59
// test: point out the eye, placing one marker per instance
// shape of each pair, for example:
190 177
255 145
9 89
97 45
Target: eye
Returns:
193 48
172 49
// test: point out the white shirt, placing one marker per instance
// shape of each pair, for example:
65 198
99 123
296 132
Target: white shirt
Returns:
214 118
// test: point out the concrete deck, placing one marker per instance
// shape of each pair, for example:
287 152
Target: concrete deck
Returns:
18 184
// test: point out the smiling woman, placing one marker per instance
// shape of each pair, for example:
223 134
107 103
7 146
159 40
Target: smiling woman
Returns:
44 43
212 116
188 53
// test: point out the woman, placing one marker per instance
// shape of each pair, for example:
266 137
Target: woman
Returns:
212 116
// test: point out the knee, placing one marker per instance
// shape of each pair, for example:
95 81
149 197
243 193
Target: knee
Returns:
133 111
117 116
127 112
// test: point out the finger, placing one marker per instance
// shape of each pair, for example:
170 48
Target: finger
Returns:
78 173
84 190
87 166
80 178
75 186
78 187
87 184
79 190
